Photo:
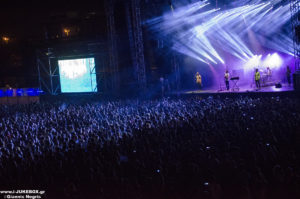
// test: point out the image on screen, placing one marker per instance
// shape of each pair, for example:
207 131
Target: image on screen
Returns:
77 75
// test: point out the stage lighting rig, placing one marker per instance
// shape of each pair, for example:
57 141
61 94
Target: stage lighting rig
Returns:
295 22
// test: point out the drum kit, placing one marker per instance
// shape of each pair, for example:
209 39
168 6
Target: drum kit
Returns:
266 77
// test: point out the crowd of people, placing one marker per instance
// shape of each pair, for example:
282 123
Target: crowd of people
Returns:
214 147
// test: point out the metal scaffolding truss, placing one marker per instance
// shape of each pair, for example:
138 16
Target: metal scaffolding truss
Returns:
47 71
100 66
112 45
48 68
175 63
295 21
176 71
138 43
130 37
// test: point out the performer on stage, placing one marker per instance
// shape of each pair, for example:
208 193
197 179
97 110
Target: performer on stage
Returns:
288 75
199 80
257 79
226 78
269 74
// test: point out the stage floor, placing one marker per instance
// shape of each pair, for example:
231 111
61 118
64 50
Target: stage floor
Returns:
245 89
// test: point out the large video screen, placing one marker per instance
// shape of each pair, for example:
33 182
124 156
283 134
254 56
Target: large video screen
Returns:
77 75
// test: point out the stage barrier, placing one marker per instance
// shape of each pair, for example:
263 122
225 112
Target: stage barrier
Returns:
11 96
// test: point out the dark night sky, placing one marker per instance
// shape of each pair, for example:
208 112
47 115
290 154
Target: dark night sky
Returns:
24 23
18 18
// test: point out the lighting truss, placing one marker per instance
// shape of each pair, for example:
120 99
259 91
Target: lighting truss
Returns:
47 71
138 43
294 6
112 46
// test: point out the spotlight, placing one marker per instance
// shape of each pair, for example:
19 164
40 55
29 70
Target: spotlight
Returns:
273 61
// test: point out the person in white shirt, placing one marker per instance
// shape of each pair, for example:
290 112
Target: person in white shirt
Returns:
226 78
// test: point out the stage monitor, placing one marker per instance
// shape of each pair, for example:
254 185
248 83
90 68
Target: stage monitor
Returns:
77 75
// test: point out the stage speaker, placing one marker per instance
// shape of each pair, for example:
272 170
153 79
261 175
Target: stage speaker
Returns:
297 32
296 81
278 85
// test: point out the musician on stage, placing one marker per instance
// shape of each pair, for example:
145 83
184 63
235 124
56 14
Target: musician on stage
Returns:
257 79
288 75
269 74
226 78
199 80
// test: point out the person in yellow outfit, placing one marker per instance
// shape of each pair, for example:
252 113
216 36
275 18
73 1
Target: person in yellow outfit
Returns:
198 80
257 79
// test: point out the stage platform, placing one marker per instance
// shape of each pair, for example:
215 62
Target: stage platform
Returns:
286 90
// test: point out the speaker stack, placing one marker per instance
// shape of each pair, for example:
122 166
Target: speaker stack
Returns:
296 79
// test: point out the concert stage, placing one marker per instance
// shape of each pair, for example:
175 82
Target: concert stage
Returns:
264 91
